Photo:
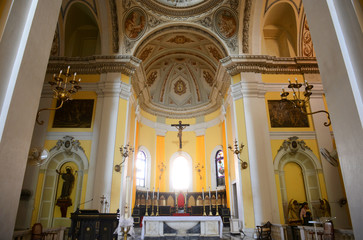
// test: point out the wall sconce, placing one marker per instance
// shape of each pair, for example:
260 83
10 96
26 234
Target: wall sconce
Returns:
199 168
238 150
63 89
162 168
125 152
300 103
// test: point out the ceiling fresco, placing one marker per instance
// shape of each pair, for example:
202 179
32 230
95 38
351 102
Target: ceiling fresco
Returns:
180 68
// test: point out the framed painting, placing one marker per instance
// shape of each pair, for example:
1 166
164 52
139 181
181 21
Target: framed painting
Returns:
284 115
76 113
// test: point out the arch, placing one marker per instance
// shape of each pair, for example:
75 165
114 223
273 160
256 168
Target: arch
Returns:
58 156
189 162
279 32
213 169
81 39
187 27
148 167
310 167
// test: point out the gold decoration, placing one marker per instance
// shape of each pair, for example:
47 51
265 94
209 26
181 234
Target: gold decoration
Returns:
180 87
180 40
208 78
151 79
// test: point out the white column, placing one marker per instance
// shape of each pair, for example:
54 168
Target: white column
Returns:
24 57
334 186
259 150
237 94
339 52
111 88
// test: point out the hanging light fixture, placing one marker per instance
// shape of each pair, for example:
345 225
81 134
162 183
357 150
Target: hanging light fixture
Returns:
125 152
63 88
238 150
301 100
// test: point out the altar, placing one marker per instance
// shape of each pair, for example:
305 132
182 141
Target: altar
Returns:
204 226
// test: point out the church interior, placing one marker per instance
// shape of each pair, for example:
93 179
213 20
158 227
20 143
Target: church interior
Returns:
235 115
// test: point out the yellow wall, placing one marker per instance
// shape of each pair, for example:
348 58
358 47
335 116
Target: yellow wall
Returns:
294 180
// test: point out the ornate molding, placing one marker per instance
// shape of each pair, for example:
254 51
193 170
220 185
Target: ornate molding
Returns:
246 26
67 144
293 145
181 12
269 64
125 64
115 32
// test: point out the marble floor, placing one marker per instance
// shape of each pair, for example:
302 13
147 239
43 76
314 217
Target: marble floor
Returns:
226 235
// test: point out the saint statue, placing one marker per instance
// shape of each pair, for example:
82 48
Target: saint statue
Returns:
68 180
293 212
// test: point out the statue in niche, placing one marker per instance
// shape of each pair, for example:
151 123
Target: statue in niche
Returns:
68 180
64 200
324 208
293 212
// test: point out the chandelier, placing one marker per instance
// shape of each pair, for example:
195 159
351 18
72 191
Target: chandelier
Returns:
125 152
63 87
238 150
301 100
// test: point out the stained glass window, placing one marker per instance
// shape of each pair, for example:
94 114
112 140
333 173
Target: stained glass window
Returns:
220 168
141 169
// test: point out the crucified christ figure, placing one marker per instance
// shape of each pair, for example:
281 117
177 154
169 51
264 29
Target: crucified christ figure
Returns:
180 127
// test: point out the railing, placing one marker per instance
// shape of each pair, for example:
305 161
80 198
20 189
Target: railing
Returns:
47 234
285 232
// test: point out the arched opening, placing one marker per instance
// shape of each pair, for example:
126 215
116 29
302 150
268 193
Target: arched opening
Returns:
280 32
180 174
82 36
219 163
141 169
181 177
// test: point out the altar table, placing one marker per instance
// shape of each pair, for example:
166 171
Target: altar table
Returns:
210 226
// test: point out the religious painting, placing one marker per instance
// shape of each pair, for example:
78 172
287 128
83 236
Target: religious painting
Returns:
284 115
225 22
135 23
74 114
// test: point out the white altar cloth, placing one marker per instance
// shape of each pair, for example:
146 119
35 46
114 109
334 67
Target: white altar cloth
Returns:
154 225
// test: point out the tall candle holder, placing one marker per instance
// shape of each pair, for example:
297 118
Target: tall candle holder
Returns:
152 207
147 209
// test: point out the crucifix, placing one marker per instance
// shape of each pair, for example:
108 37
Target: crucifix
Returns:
180 127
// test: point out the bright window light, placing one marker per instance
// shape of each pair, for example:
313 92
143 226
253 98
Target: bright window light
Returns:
180 174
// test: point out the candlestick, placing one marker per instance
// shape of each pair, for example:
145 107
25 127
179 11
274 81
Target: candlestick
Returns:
216 195
158 194
203 193
153 192
147 194
209 194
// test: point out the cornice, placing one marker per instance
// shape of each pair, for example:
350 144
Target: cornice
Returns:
269 64
125 64
181 12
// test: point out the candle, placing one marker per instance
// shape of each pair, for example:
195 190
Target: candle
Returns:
74 76
60 73
68 69
147 194
203 193
153 191
209 194
158 194
296 80
216 195
289 81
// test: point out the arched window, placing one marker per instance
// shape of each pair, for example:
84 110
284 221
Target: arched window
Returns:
141 169
219 163
180 173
